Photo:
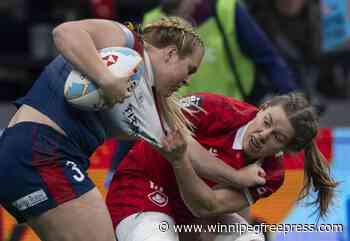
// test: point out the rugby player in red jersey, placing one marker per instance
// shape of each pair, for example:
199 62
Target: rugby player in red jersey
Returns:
148 191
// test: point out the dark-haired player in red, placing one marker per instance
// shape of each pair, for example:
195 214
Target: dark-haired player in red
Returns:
147 190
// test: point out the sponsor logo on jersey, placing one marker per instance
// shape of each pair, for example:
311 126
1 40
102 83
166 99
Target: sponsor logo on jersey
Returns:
129 112
191 101
30 200
158 198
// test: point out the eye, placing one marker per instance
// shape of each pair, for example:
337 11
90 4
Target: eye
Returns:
279 138
266 122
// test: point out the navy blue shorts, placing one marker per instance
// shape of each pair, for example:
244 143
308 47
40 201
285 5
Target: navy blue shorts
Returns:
39 170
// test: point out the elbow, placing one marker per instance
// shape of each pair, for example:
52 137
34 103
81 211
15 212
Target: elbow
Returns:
203 212
61 35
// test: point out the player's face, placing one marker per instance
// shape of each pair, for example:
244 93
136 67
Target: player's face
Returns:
176 72
268 133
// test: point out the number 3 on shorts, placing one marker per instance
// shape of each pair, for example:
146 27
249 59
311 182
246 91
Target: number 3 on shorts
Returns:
79 176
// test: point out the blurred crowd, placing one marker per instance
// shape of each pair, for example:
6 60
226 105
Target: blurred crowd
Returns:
278 41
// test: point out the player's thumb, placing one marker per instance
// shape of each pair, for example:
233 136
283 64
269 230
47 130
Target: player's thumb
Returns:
261 172
260 180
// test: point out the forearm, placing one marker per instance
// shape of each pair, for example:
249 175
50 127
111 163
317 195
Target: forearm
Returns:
217 171
202 200
196 194
211 167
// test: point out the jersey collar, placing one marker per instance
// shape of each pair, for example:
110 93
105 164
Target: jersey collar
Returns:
149 69
238 141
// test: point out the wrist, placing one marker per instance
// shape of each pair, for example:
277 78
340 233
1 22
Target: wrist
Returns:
180 163
236 179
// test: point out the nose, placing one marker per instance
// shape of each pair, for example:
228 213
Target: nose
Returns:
264 134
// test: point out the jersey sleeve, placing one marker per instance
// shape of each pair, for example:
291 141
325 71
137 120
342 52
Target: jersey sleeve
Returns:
274 180
133 39
216 113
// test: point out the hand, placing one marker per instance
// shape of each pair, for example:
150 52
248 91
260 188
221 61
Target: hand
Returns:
251 175
115 89
174 146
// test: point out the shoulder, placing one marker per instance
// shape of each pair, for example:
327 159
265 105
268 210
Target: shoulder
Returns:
133 38
208 100
219 113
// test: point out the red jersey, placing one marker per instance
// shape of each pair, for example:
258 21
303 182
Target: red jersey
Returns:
145 181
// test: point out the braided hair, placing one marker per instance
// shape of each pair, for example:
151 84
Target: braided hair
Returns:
172 31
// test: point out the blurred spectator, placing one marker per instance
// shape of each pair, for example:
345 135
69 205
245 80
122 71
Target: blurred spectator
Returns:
103 9
134 10
26 44
239 60
13 48
294 27
13 25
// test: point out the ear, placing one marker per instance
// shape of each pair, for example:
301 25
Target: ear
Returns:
170 52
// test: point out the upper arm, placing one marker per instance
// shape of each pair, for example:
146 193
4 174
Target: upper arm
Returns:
104 33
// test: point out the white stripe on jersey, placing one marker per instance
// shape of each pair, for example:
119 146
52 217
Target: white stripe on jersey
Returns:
130 40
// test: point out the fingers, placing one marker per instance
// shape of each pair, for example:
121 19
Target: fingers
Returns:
112 100
260 178
260 181
261 172
173 141
174 147
127 94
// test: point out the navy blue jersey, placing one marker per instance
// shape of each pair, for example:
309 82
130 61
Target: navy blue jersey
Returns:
47 96
85 128
43 167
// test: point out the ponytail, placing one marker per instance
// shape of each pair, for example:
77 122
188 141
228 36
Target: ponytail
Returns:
317 175
304 120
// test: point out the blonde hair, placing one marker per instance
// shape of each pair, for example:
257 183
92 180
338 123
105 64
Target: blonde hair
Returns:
174 114
174 31
304 121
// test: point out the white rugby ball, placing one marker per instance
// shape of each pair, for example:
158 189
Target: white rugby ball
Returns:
83 94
